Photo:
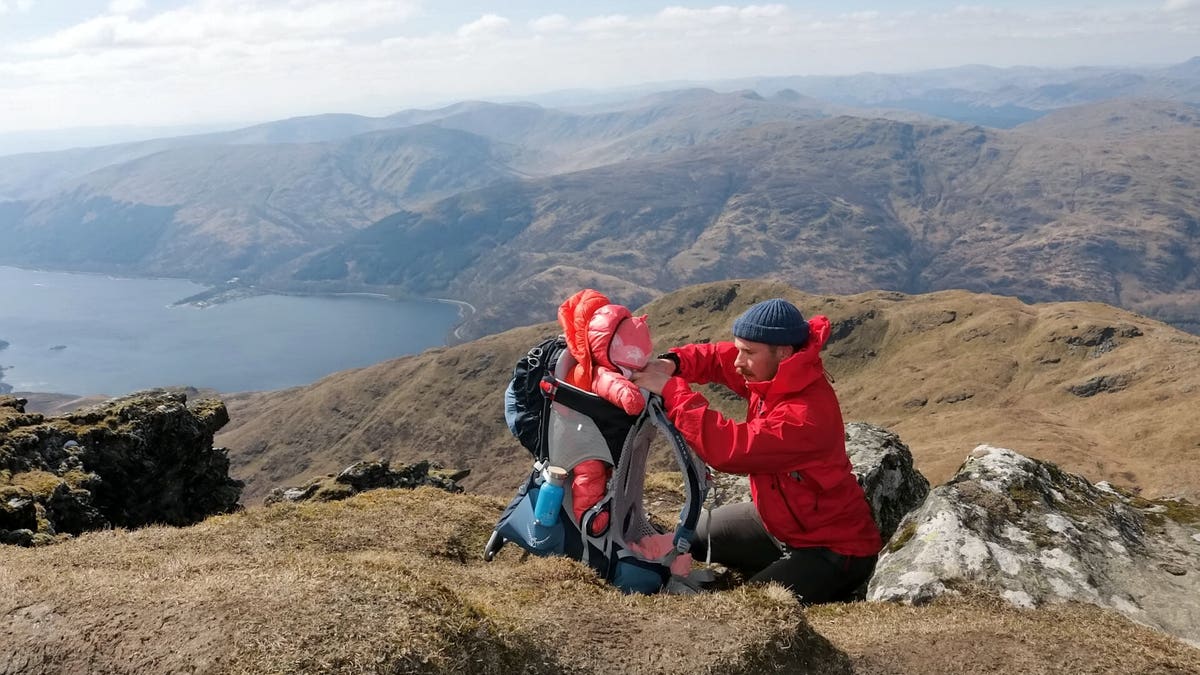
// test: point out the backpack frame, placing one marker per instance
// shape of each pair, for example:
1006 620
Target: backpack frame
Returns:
578 425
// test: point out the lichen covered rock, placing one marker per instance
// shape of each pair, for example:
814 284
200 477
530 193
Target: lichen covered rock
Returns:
1035 534
131 461
884 466
370 475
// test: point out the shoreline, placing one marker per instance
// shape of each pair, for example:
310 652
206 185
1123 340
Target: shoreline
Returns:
463 315
218 295
232 291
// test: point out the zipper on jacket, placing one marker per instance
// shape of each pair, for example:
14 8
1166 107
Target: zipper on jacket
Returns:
783 497
816 492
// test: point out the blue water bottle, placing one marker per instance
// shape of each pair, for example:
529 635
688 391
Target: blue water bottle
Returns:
550 496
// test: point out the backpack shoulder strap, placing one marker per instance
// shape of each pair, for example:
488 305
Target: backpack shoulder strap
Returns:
696 475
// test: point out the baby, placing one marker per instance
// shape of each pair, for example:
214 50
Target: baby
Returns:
608 344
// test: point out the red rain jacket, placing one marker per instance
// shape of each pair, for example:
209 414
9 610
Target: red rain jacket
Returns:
792 444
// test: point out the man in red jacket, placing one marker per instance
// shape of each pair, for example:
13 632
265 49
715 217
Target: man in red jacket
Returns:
809 526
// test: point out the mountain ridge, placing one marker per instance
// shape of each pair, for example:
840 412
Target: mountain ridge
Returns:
900 206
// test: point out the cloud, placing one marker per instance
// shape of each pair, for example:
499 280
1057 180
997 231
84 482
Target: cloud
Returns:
211 22
721 14
605 24
551 23
488 24
210 60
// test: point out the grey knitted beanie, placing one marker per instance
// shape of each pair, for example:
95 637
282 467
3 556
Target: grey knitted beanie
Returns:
774 322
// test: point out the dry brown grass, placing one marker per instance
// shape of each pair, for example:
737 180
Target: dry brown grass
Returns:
391 581
979 633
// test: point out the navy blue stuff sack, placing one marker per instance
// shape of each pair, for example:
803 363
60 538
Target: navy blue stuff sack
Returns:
526 408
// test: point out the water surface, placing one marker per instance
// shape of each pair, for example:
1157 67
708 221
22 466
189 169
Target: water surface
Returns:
91 334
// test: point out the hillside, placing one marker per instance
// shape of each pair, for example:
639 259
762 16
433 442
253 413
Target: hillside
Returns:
214 212
250 202
841 205
1117 119
1097 390
391 581
37 175
554 140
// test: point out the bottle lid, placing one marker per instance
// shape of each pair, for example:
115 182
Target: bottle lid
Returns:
556 475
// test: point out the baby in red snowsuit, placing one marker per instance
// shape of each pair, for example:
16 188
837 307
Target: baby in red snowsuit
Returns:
608 344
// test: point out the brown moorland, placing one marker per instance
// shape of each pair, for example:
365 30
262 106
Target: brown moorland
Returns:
1098 390
390 581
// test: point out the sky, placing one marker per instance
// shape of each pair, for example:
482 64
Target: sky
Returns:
83 63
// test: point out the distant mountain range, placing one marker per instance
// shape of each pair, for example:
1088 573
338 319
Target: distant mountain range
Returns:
999 97
505 205
835 205
975 94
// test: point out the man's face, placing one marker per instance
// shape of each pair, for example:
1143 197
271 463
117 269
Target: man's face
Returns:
758 362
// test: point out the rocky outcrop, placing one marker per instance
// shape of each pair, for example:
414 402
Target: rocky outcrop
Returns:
1101 339
369 475
1101 384
1035 534
884 466
131 461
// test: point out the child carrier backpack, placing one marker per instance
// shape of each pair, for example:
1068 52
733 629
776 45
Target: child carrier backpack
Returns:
562 425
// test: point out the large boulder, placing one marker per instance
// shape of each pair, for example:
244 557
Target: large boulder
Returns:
1035 534
131 461
884 466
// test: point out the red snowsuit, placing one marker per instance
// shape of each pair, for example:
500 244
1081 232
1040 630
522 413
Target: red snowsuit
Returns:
606 340
792 444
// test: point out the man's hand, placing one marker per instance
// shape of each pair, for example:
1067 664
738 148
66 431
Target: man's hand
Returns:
654 376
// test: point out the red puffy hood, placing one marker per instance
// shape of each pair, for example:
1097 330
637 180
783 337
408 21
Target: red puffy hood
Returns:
618 340
600 333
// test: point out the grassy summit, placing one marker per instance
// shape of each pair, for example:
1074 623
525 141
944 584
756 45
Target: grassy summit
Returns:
391 581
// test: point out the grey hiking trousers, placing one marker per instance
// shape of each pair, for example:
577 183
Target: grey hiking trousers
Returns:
740 542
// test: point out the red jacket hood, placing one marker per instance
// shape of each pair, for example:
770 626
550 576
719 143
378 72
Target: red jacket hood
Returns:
802 368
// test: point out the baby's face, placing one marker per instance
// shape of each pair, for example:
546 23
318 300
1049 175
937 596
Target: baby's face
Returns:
631 345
